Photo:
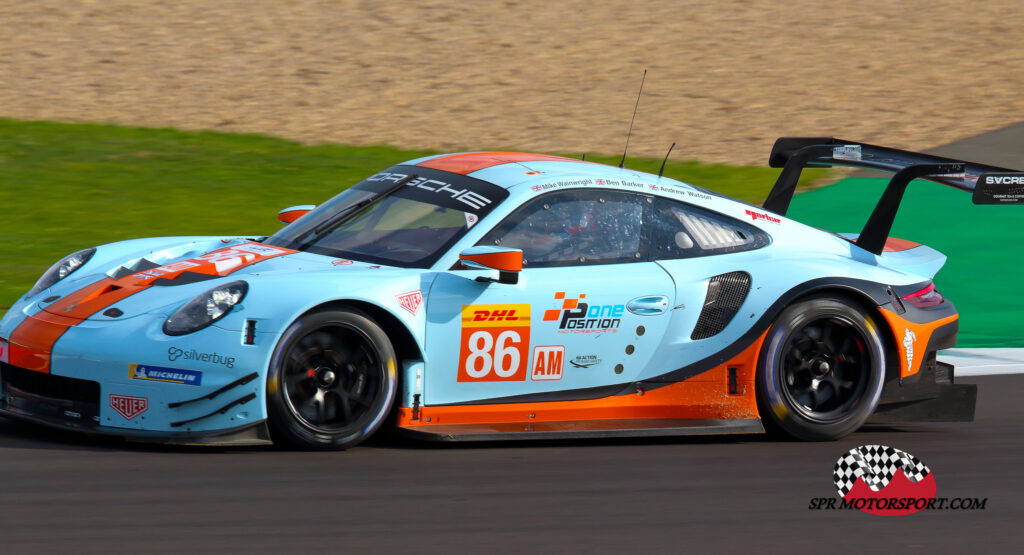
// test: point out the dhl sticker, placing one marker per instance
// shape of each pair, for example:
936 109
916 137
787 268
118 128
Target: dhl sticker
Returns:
495 315
495 343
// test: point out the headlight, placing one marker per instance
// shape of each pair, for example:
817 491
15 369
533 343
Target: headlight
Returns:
206 309
62 269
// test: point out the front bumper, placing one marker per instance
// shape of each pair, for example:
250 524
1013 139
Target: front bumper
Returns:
74 404
126 378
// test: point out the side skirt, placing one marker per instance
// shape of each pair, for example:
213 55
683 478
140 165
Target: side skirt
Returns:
583 429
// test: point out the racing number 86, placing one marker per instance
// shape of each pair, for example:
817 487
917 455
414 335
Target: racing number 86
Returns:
495 347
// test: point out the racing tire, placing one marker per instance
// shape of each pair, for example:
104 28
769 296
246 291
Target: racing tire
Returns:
332 381
821 370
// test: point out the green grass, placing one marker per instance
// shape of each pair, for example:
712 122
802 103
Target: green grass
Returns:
64 187
981 242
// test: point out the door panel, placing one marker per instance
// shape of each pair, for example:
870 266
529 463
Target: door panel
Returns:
558 329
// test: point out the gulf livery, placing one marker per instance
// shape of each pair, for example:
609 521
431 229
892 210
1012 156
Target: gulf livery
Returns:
498 295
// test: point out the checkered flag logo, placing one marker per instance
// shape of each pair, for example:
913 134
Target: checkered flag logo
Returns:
876 464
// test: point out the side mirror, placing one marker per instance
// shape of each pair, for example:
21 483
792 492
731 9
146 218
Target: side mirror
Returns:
508 262
289 215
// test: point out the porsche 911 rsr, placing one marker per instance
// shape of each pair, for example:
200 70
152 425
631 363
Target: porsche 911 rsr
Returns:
501 296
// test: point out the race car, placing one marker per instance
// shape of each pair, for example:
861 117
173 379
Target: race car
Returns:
496 295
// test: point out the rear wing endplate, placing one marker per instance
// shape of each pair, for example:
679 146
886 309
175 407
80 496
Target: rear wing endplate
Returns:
793 154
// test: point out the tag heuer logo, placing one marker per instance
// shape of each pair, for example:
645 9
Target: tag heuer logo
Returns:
127 406
410 301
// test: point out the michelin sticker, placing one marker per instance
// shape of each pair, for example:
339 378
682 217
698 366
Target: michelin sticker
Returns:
168 375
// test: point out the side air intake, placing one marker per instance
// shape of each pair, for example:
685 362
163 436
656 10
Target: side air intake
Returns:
726 294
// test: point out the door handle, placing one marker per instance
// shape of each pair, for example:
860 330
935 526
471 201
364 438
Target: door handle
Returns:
648 306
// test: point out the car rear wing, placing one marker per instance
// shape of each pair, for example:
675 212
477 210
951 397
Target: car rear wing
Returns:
793 154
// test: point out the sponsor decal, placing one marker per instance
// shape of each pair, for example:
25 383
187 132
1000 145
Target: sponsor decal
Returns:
223 261
534 172
585 361
471 220
909 338
999 188
342 262
4 348
127 406
257 248
410 301
762 216
1004 180
886 481
162 374
579 316
547 362
495 343
469 198
175 353
846 152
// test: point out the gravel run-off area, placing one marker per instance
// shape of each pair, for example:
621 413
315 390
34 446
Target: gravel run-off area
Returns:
725 78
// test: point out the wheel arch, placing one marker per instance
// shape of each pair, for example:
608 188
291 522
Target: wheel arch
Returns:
402 343
870 306
402 339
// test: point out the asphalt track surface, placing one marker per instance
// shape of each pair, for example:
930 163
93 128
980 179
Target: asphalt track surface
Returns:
64 492
61 492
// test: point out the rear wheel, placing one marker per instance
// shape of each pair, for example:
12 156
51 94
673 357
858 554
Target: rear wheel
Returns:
821 370
332 380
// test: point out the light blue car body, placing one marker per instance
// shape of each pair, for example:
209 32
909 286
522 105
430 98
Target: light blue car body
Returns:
284 288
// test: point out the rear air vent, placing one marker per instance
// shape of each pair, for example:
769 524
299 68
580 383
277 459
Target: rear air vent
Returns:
726 294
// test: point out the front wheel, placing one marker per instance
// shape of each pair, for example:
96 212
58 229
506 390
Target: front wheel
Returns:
821 370
332 380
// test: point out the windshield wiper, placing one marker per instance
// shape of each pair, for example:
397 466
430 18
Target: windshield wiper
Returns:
343 216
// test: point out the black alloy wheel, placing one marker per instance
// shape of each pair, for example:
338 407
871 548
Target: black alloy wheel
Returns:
821 370
332 381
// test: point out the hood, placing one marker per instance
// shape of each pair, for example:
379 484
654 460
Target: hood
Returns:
179 280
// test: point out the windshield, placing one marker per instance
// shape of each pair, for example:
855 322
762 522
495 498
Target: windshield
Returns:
407 216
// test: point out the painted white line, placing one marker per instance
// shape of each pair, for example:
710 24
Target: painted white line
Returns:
984 362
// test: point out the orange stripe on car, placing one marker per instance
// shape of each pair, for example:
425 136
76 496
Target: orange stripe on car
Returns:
473 161
893 244
32 341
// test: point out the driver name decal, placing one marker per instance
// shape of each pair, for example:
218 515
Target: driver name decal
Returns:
495 343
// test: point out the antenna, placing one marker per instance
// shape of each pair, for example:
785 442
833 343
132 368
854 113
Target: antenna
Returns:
628 133
662 170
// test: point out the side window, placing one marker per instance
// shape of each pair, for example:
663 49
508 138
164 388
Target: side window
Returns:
682 230
574 228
